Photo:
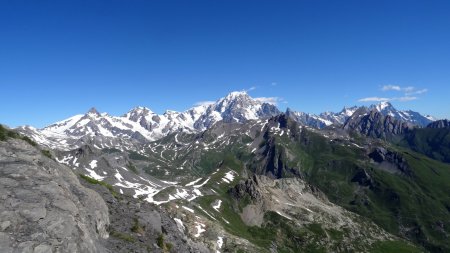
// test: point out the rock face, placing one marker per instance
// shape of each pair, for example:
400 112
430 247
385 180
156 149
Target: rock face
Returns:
43 206
339 117
439 124
275 157
391 161
409 116
294 199
307 119
249 188
375 124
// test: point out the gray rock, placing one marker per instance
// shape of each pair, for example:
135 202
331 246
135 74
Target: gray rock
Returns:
43 248
5 243
5 225
25 247
33 213
44 204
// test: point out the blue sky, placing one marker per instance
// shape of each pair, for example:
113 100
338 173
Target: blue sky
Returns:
59 58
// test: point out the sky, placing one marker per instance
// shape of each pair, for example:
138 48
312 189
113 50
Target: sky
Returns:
60 58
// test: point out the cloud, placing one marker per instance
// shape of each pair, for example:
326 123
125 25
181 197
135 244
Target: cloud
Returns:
250 89
413 92
391 87
406 98
410 93
274 84
379 99
374 99
204 103
271 100
409 90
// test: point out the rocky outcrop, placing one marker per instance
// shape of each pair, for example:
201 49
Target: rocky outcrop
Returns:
363 178
273 159
248 188
375 124
307 119
391 161
439 124
43 206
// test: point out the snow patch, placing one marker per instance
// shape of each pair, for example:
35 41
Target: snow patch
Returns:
180 224
287 217
219 242
217 206
202 184
229 177
193 182
188 209
200 229
94 175
93 164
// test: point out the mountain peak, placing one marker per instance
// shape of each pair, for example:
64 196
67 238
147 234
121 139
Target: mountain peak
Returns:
141 110
236 94
93 111
383 106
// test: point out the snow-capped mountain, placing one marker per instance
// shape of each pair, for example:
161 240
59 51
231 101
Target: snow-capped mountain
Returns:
238 107
385 108
141 124
339 117
409 116
308 119
373 123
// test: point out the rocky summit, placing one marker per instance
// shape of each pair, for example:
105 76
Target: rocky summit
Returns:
234 175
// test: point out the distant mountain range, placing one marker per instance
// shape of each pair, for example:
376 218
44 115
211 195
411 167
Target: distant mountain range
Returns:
141 124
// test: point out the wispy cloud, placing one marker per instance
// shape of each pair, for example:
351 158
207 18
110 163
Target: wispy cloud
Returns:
391 87
250 89
379 99
409 90
409 93
204 103
406 98
271 100
274 84
412 92
374 99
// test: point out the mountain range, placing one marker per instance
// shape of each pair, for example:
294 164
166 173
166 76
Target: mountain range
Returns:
236 175
141 124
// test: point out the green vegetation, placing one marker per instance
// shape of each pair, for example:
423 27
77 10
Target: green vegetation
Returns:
432 142
393 247
288 236
95 181
419 202
6 133
137 228
165 246
122 236
111 150
133 168
136 156
47 153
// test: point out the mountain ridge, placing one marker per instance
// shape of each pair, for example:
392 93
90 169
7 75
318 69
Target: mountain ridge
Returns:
141 124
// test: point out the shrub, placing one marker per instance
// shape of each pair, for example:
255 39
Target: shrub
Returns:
6 133
133 168
95 181
137 228
122 236
47 153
